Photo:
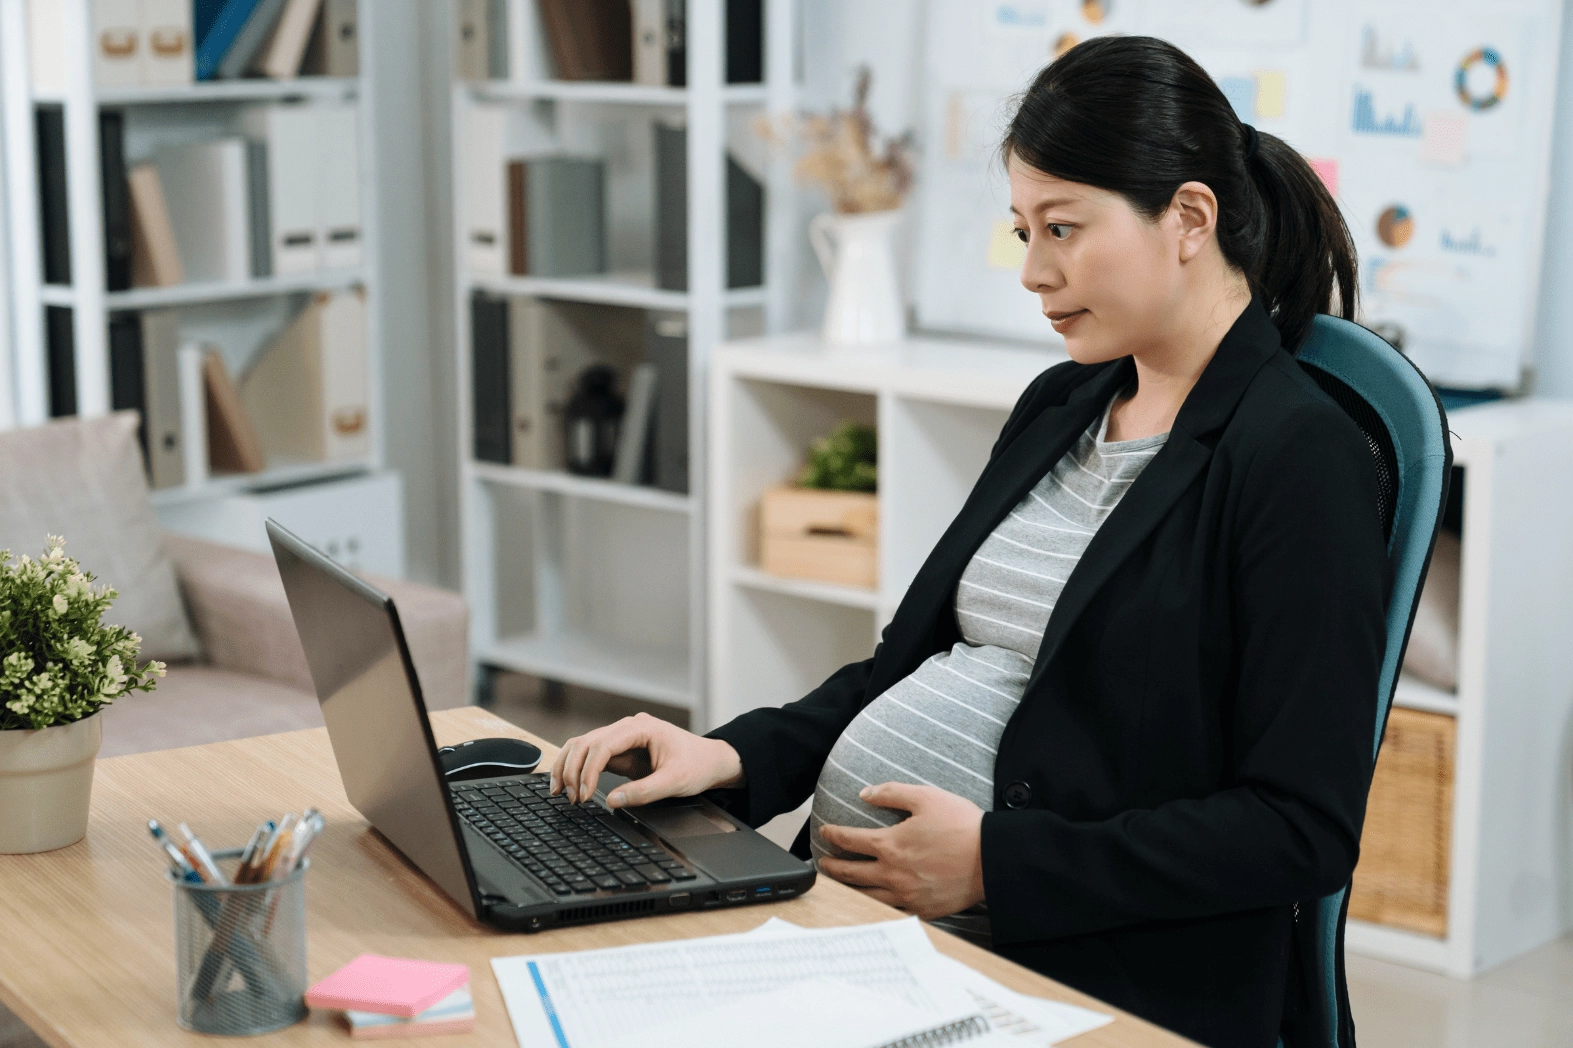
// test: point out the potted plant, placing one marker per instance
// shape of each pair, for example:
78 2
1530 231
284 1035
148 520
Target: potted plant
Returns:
827 527
867 181
60 664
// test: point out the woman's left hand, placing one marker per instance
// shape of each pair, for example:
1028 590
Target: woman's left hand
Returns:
930 864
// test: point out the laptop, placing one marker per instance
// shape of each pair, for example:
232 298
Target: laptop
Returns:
502 848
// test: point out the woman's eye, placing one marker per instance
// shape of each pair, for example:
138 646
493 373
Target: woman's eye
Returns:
1021 234
1059 231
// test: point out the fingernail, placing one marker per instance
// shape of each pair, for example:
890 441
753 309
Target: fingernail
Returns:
866 792
617 798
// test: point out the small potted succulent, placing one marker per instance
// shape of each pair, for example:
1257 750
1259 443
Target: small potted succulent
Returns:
60 664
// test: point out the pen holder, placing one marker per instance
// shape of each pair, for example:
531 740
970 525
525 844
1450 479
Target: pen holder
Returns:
240 952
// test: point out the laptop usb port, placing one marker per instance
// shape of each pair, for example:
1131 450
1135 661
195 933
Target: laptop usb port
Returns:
762 891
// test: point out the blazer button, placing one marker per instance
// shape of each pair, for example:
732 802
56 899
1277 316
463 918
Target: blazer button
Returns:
1018 795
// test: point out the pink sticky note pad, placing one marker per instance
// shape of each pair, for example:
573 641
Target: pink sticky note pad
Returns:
389 985
1326 169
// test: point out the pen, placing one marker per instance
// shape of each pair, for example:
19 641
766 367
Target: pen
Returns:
177 862
306 830
276 845
201 859
246 873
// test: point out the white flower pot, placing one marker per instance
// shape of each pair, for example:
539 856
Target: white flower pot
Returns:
858 255
46 782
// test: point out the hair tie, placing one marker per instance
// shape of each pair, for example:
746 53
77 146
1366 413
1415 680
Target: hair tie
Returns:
1252 141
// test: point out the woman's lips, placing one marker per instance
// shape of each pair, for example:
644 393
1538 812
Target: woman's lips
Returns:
1063 322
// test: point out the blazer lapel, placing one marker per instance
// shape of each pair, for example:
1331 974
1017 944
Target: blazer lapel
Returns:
1250 343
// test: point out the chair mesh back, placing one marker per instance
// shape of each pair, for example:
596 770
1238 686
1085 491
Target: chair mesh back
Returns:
1376 438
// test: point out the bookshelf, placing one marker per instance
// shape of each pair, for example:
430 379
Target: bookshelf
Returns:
578 579
240 316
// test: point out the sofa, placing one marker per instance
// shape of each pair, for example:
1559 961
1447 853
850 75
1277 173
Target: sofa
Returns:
217 615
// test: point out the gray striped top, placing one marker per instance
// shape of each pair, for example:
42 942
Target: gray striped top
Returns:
941 724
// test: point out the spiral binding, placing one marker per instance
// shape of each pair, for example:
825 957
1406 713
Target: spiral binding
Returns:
952 1033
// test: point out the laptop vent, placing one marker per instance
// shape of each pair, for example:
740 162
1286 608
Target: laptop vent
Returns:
609 909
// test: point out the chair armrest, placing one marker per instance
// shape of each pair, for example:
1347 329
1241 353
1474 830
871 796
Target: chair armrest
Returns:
243 620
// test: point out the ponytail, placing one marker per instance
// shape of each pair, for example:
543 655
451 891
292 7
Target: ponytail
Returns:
1137 116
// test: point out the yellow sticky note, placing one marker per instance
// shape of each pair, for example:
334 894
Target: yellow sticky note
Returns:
1005 251
1270 93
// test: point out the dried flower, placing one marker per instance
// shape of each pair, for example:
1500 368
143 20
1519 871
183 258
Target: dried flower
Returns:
844 157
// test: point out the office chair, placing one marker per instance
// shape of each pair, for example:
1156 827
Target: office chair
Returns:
1406 429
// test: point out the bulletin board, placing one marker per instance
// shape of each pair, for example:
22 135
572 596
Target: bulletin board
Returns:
1430 121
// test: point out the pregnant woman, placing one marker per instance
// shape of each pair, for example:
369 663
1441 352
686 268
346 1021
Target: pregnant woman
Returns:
1119 728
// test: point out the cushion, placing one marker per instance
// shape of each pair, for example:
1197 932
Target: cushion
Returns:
1432 654
83 479
195 705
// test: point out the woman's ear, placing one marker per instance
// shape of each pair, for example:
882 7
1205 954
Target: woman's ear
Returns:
1195 209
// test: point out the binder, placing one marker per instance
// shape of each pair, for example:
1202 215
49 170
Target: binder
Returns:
252 38
332 50
307 393
649 24
484 204
745 41
589 39
338 187
167 45
161 391
290 133
206 184
666 342
117 199
745 210
257 198
214 44
282 57
193 414
54 215
518 218
471 44
497 39
126 373
60 344
489 379
155 260
46 47
117 43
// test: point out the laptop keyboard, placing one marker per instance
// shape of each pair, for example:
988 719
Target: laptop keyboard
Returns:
572 848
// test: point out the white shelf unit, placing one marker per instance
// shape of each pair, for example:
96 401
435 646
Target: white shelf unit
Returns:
582 580
249 311
938 407
1510 884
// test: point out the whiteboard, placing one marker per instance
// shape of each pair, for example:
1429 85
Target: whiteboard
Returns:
1430 121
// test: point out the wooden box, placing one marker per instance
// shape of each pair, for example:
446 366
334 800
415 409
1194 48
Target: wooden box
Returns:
826 536
1402 877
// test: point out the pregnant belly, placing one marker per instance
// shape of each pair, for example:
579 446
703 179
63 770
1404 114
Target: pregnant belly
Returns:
937 727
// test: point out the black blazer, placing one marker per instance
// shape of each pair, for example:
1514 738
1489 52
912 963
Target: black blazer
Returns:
1192 754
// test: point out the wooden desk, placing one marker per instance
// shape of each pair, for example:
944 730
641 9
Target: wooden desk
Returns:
87 954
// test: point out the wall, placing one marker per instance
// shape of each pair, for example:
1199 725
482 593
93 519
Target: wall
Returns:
1553 358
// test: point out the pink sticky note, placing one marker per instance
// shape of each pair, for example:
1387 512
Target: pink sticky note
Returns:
1326 169
1444 139
389 985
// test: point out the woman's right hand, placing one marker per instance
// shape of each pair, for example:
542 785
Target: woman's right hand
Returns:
661 758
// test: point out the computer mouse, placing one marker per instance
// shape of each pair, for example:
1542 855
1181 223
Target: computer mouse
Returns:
488 758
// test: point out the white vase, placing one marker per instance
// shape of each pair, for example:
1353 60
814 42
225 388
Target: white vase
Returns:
859 259
46 782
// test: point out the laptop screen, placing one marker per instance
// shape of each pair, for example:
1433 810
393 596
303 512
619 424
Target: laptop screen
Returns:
375 715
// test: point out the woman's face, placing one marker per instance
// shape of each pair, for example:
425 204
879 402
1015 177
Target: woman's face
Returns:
1109 280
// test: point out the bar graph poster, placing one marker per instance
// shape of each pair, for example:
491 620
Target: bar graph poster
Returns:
1431 121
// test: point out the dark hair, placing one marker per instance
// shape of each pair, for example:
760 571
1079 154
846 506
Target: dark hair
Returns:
1139 117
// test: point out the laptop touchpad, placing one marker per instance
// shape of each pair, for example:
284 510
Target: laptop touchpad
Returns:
677 823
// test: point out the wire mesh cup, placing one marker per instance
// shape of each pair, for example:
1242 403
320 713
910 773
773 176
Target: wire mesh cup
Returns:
240 952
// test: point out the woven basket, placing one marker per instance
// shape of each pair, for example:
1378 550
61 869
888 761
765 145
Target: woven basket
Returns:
1401 880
